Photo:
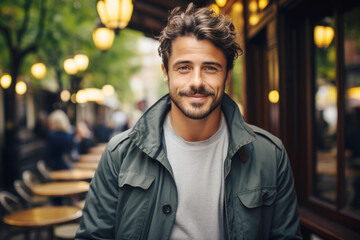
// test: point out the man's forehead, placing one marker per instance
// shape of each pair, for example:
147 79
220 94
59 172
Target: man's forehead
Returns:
191 49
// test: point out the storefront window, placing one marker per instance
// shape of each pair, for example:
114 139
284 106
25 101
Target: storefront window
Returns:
352 108
324 178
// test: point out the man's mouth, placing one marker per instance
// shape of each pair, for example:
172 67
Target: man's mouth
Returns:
197 93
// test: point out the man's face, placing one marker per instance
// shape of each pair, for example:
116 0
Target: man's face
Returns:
196 76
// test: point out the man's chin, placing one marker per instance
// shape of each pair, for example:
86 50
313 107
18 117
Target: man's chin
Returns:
196 114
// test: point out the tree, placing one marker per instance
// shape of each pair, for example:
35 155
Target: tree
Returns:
21 26
50 31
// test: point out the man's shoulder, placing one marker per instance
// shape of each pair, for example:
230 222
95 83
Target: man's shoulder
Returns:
118 139
265 137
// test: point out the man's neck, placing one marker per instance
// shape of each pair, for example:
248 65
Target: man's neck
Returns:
194 130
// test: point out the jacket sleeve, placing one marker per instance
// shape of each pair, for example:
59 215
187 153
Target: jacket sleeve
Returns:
99 213
286 220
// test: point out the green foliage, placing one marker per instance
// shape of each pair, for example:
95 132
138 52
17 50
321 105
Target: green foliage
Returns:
237 80
67 30
325 63
115 66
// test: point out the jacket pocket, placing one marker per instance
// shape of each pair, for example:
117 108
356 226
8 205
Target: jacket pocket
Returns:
135 180
133 204
258 197
253 209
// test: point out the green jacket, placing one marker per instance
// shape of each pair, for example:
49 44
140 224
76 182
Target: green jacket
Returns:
133 193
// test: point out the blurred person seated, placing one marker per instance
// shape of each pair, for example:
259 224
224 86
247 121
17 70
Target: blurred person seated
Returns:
84 137
61 147
102 131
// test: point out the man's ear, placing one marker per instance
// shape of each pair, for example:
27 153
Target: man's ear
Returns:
228 77
166 78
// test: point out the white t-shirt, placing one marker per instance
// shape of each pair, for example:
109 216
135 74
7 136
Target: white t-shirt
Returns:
198 169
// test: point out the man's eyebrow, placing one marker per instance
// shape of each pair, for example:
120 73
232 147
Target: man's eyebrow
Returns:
204 63
213 63
181 62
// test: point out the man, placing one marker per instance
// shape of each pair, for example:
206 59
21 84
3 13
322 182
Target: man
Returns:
191 168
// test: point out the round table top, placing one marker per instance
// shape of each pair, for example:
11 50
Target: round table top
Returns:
85 165
89 157
97 149
43 216
72 174
60 189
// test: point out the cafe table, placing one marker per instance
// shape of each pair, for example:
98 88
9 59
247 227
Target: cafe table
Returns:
85 165
89 157
72 174
60 189
98 149
41 217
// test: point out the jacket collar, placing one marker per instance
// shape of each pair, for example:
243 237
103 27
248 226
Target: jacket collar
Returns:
240 133
148 131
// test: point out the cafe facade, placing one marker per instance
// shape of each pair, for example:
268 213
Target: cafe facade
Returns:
300 80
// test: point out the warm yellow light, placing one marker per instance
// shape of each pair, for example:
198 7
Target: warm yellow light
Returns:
254 19
221 3
237 8
81 61
73 98
263 4
323 36
81 96
115 14
103 38
5 81
253 7
108 90
353 93
70 66
89 94
65 95
20 88
274 96
215 8
38 70
326 95
94 94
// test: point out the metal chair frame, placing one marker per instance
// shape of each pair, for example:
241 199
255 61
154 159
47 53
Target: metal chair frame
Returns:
30 179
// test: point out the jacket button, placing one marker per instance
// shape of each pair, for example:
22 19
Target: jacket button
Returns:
166 209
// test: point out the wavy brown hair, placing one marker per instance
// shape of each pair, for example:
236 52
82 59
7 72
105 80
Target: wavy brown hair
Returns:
203 23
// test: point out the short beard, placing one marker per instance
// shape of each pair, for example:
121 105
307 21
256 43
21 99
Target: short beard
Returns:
192 116
201 90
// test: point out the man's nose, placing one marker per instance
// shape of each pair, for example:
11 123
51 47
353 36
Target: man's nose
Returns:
196 78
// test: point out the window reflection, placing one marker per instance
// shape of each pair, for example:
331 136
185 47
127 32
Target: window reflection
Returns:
352 107
325 115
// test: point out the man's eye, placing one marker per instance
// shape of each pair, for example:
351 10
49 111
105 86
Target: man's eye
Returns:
210 69
183 68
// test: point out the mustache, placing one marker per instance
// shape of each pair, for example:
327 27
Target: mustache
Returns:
200 90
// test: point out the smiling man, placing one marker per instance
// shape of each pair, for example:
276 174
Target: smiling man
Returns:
191 168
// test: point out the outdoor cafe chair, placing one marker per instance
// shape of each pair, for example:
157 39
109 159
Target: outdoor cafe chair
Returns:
26 194
43 170
9 202
30 178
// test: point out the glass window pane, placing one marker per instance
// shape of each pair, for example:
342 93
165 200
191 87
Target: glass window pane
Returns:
324 178
352 108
